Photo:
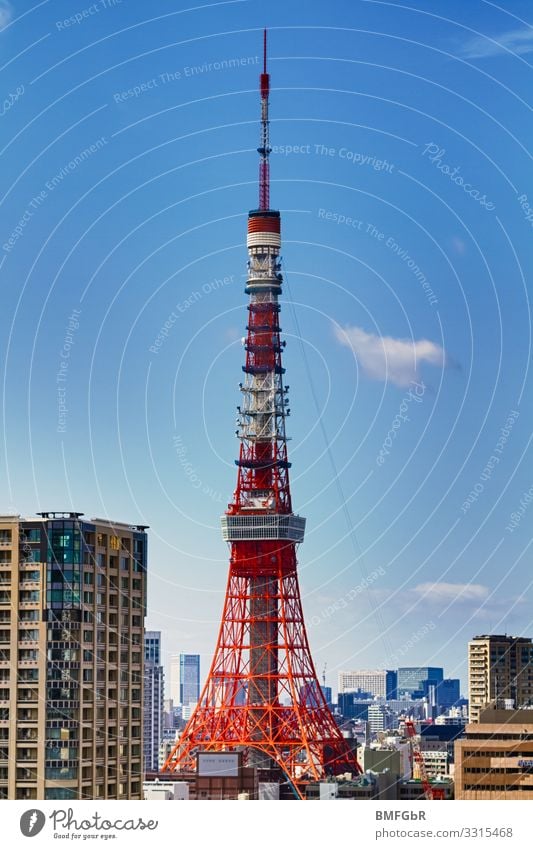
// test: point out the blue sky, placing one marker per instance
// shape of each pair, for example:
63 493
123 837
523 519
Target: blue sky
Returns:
402 170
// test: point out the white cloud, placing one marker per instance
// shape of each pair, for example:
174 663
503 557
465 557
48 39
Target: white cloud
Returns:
518 41
452 592
386 358
6 13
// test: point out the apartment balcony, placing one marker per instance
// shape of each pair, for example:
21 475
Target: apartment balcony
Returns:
28 642
25 774
26 793
29 736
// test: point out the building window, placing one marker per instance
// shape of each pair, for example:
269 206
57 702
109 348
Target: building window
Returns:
63 773
33 534
28 596
60 793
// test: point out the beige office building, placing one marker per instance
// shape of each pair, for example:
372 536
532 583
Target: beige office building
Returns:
72 607
500 672
495 759
379 682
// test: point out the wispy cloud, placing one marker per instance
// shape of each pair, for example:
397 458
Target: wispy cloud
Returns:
452 592
386 358
6 13
518 41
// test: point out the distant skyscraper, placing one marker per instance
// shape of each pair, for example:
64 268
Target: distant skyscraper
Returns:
415 680
174 693
72 606
352 707
380 682
328 695
448 693
189 679
500 668
153 699
309 694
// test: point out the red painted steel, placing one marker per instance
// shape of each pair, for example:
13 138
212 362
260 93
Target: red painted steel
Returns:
262 693
264 224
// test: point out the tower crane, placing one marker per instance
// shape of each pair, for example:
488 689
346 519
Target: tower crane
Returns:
429 791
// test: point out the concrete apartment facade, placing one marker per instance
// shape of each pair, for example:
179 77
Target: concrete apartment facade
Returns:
500 668
72 608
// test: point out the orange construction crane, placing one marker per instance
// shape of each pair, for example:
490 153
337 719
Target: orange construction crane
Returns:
429 791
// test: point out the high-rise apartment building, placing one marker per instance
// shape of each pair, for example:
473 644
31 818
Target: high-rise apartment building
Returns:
380 682
153 699
72 607
189 679
500 673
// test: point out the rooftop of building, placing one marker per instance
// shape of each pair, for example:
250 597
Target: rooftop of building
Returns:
499 637
498 716
51 515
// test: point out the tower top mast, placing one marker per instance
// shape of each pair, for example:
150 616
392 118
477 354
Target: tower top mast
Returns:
264 149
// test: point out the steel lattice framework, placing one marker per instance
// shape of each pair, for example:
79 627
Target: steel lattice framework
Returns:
262 694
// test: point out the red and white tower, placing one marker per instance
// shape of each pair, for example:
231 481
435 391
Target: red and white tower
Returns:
262 694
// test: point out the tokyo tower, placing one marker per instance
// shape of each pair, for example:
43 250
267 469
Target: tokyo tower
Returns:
262 695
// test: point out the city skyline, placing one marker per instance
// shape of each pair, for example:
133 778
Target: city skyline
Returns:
123 259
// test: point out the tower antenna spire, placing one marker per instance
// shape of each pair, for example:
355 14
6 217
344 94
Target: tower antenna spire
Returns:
264 147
